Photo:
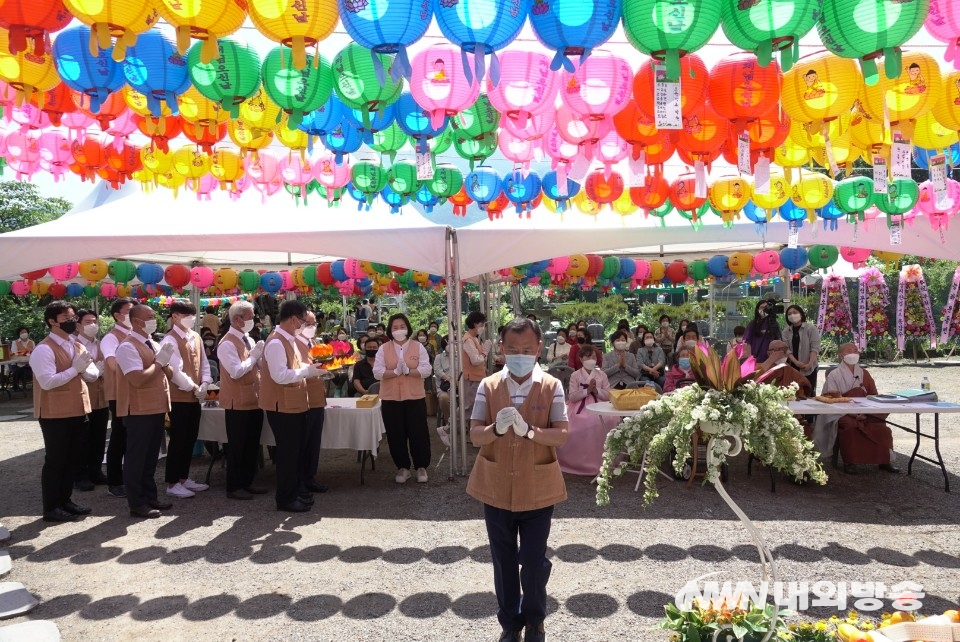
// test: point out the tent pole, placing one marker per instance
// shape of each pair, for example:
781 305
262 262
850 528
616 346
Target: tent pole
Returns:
195 299
458 303
454 414
713 310
788 285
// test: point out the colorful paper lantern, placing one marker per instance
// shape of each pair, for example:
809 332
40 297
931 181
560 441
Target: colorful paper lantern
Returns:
855 256
447 180
154 68
670 29
228 79
94 75
109 19
764 26
271 282
296 25
65 272
905 96
793 258
693 85
677 272
149 273
121 270
822 256
296 90
854 195
438 83
206 20
599 88
728 195
767 262
652 194
201 277
704 131
943 23
811 192
483 185
176 276
741 90
602 188
387 26
683 195
248 280
573 27
357 85
740 263
522 190
820 88
718 266
481 27
369 177
527 86
901 197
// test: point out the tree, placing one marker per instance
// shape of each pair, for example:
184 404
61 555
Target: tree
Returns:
21 205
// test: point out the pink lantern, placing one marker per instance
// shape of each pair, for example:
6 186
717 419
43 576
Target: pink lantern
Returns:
203 186
65 272
23 146
535 129
29 116
642 271
287 280
767 262
264 172
352 267
854 255
517 150
296 171
331 175
24 169
943 23
55 148
610 150
438 82
239 186
201 277
122 126
600 87
108 290
939 214
20 288
346 287
77 122
581 130
527 86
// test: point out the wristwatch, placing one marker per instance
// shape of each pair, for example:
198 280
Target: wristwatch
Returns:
530 433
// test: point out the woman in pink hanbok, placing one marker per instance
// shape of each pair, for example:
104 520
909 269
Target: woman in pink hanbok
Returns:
586 433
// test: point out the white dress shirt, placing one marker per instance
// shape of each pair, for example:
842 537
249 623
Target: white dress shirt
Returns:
44 365
423 365
109 343
229 358
128 359
179 378
518 395
276 356
470 347
92 346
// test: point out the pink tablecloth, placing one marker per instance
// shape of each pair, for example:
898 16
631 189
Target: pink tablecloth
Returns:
583 452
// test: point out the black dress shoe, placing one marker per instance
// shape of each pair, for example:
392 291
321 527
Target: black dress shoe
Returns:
294 507
534 634
314 487
239 494
850 469
510 636
890 468
58 515
305 499
257 490
83 485
145 512
76 509
99 479
159 505
117 491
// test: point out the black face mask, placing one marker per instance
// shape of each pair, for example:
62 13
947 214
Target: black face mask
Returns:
69 326
581 340
371 354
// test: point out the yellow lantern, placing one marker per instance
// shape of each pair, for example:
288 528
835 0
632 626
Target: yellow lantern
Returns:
225 279
790 156
740 263
190 161
367 267
295 23
887 257
39 288
259 112
294 139
728 195
585 205
108 19
819 88
907 97
946 108
94 270
246 138
172 180
844 150
779 194
550 204
811 192
624 205
197 109
866 132
145 177
137 103
205 20
657 270
579 264
226 166
155 160
124 290
26 72
930 134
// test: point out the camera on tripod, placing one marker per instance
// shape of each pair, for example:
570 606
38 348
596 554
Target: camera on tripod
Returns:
774 304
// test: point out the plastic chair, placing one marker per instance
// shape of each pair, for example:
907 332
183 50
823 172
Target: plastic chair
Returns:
361 328
595 330
374 389
563 374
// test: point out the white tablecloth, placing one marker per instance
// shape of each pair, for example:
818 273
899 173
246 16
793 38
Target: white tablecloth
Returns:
606 409
344 426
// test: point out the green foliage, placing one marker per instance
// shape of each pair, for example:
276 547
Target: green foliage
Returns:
21 205
424 306
710 622
607 311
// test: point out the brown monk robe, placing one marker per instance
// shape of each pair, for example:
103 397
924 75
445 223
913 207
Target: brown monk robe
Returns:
783 377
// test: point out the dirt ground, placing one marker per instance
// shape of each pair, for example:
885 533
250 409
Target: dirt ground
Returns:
383 561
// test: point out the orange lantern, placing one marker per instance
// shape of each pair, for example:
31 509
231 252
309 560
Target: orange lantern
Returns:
652 194
693 84
203 135
683 195
820 88
55 103
639 130
741 90
108 19
460 201
295 24
603 189
907 97
946 108
205 20
90 154
110 108
124 160
33 21
704 131
159 130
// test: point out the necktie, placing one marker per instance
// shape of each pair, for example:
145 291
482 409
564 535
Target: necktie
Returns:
150 345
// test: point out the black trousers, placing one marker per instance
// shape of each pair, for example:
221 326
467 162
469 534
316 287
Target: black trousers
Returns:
90 455
144 436
288 429
116 448
62 440
243 446
520 573
407 432
184 427
311 446
812 378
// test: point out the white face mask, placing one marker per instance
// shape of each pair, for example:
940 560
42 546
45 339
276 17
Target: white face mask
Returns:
308 331
400 334
589 364
738 339
247 326
422 339
664 324
780 362
851 359
620 345
479 328
90 330
432 330
24 336
187 322
794 318
561 340
341 337
150 326
648 342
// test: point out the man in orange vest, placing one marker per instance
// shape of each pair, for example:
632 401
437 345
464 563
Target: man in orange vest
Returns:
120 311
61 403
316 400
518 421
90 460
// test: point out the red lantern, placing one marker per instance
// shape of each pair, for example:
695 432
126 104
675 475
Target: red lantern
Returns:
460 200
652 194
203 135
741 90
32 20
159 130
693 84
604 189
57 290
677 272
595 266
768 132
324 276
90 154
177 276
683 194
36 274
124 161
55 103
704 131
110 108
496 206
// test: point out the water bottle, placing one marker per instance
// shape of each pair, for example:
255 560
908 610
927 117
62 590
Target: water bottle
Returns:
925 384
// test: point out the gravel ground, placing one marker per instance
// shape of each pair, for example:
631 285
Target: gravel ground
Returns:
381 561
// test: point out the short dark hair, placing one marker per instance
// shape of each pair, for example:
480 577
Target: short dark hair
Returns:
406 322
692 327
587 349
645 333
665 316
82 312
803 314
474 318
366 346
290 309
118 304
564 331
618 334
55 309
182 306
623 323
23 327
739 330
519 325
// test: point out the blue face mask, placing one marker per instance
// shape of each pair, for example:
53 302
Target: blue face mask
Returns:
684 363
520 365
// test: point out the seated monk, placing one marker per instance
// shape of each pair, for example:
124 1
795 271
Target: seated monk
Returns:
864 439
776 356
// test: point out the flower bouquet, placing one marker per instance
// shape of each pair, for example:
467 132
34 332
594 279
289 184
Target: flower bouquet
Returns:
914 316
873 298
835 318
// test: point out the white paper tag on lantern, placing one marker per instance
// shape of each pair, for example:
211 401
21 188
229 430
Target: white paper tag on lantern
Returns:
424 166
700 184
666 99
743 154
938 176
793 240
879 175
902 152
638 170
761 176
896 232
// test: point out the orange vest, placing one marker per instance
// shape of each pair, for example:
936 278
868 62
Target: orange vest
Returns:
97 389
69 400
514 473
470 371
111 371
153 395
316 387
242 393
402 388
190 358
290 397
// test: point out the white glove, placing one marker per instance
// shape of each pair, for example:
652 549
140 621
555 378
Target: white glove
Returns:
164 354
101 366
81 361
520 427
256 351
505 419
201 393
487 345
399 369
313 372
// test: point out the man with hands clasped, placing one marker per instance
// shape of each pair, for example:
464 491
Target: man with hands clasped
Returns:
518 420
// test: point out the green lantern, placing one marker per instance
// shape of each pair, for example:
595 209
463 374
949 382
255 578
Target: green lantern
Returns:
853 195
310 276
249 280
478 119
357 84
866 29
698 270
662 211
381 268
666 29
611 267
476 149
436 144
388 141
4 288
91 291
122 271
230 78
368 177
447 181
901 197
822 256
296 91
402 178
762 26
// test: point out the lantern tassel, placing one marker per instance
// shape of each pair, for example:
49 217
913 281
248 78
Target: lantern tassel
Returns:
892 62
183 41
871 75
208 50
562 60
479 63
764 53
171 99
298 47
494 69
465 64
672 60
378 68
401 67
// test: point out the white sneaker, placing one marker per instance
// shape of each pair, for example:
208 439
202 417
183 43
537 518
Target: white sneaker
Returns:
194 486
177 490
402 476
421 475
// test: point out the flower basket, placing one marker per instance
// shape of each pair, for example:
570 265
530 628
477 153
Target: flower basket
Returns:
873 299
914 316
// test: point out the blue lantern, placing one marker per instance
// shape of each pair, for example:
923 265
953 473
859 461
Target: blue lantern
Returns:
94 76
427 198
414 121
830 214
522 190
394 199
338 271
573 27
149 273
550 190
320 121
793 258
356 195
378 120
481 27
74 289
387 27
719 266
271 282
342 139
792 214
483 185
922 156
155 68
628 267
